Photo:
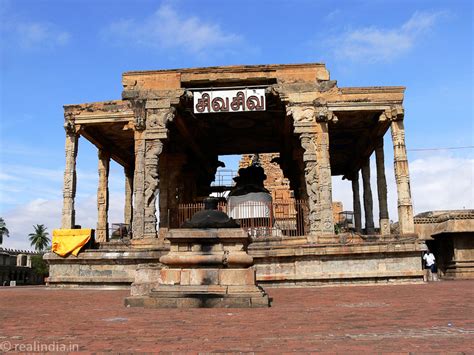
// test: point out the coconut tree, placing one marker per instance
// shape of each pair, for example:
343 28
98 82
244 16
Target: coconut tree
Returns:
3 230
39 239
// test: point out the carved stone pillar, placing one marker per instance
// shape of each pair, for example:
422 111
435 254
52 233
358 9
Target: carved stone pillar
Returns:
368 202
325 182
128 210
102 231
382 189
356 204
314 139
153 149
151 118
138 187
402 176
69 187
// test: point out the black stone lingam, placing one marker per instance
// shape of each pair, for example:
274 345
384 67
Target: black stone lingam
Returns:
211 217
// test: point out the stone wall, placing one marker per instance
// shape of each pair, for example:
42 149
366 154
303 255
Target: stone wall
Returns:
450 236
15 265
305 265
98 268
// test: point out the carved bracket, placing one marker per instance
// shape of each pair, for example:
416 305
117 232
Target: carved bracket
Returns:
138 107
397 113
301 114
69 123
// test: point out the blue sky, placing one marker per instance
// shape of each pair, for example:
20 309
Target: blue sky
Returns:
61 52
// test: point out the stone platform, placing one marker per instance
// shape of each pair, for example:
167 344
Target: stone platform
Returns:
295 262
205 268
113 264
288 262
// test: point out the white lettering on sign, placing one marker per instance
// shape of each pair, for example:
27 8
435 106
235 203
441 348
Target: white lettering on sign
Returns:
209 101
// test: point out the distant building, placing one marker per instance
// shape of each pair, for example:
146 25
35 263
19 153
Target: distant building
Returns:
16 268
450 236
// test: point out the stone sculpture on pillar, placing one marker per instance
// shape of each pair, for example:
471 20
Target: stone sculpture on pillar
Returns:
311 125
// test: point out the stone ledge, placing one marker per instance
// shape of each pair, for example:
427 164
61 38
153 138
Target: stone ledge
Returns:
104 257
347 249
94 279
340 276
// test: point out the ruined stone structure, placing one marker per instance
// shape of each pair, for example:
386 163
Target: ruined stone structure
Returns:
450 236
172 125
16 268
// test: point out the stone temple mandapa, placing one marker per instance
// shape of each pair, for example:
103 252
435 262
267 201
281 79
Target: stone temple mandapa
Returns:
168 132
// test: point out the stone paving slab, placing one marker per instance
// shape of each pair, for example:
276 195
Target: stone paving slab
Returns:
421 318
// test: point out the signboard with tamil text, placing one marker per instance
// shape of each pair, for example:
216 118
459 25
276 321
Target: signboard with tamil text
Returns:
212 101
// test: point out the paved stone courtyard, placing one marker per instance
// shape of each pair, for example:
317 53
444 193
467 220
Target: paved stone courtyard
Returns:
426 318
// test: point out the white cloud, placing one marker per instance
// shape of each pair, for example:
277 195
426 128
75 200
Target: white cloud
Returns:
166 29
30 35
21 219
37 35
373 44
442 182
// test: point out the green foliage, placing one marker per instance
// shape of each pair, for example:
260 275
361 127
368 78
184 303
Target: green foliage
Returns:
337 228
40 266
39 239
3 230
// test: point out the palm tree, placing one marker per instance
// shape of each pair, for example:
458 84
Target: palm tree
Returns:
39 239
3 230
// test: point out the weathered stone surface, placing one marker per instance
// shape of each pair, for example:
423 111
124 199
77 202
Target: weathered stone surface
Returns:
384 221
402 177
394 261
450 236
201 277
356 203
102 231
128 208
237 277
318 179
69 187
100 268
368 201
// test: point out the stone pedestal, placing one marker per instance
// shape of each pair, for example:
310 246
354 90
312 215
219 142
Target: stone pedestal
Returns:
204 268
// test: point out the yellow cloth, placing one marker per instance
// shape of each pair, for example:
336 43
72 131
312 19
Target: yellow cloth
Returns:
67 241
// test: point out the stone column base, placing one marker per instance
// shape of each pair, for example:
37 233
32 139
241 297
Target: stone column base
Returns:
201 296
205 268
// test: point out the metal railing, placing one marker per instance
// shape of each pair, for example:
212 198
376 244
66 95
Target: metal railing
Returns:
260 219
